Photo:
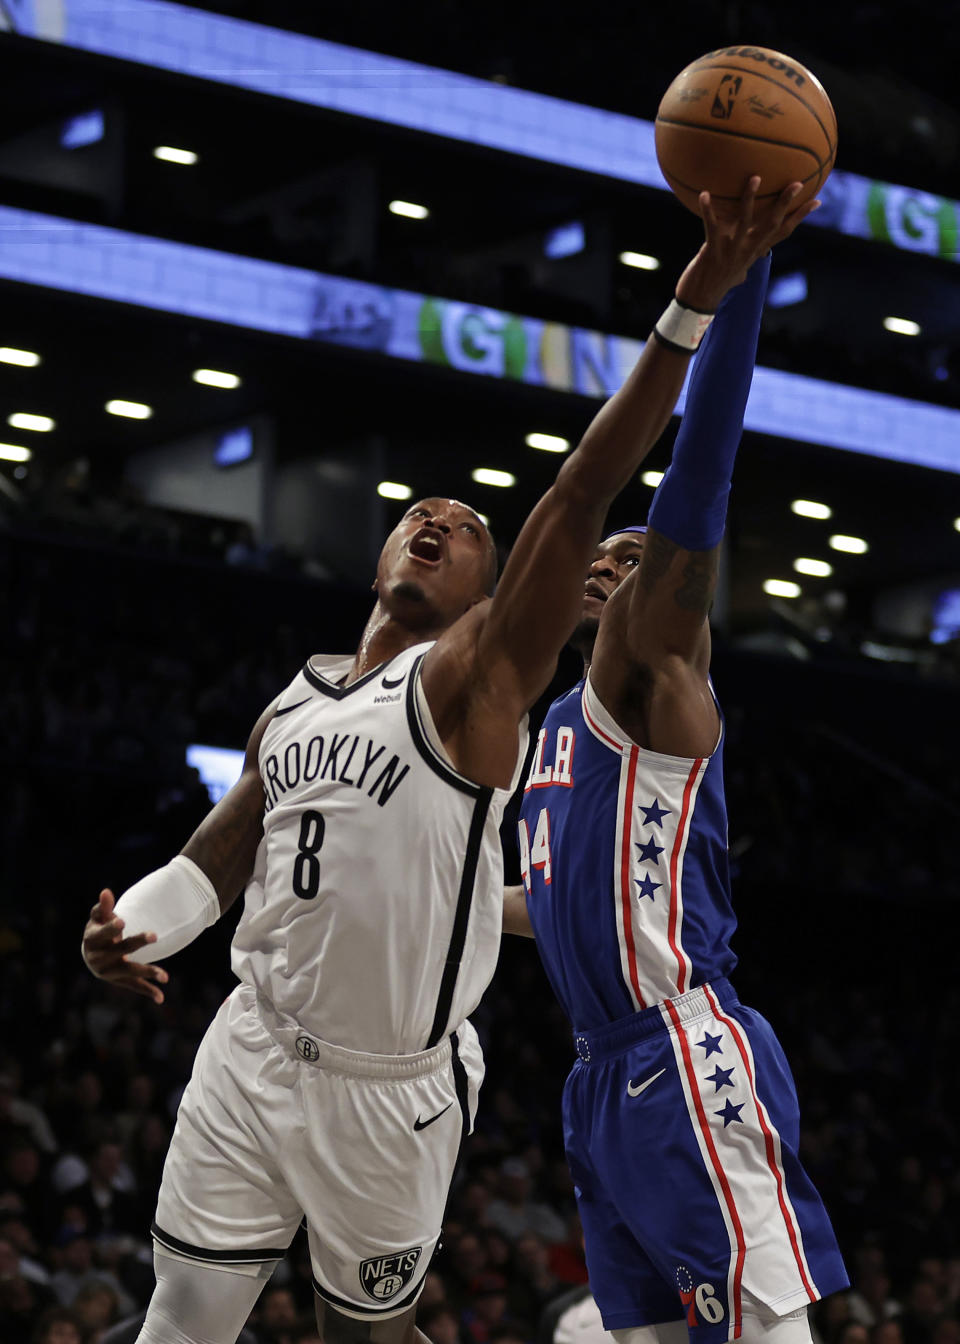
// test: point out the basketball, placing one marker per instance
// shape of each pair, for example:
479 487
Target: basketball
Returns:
739 112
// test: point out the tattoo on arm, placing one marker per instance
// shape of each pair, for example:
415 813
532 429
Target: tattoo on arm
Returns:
699 579
225 844
658 553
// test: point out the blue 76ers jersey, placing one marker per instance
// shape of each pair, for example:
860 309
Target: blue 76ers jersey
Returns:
624 860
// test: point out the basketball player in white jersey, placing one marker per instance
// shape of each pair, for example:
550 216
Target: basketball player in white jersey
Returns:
338 1079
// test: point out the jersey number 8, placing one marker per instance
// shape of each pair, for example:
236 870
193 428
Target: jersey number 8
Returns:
306 866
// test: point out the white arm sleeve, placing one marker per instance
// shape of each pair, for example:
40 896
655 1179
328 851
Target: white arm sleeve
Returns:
176 903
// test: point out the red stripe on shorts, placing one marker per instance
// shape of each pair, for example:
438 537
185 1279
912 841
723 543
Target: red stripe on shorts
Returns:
717 1166
790 1223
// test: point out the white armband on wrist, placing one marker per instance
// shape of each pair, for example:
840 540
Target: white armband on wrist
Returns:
176 903
681 328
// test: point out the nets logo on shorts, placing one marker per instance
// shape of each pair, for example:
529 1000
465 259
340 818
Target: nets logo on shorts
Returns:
382 1277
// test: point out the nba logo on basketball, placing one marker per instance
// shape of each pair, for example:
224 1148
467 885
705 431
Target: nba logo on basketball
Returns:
383 1276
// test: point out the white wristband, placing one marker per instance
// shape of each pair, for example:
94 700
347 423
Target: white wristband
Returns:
176 903
682 328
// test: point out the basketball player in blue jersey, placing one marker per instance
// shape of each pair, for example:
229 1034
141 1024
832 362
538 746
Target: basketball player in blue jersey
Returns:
337 1080
680 1117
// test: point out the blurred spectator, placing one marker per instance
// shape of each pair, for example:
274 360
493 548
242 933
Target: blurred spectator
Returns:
107 1208
887 1332
537 1281
100 700
514 1211
23 1179
277 1318
96 1305
439 1323
73 1256
922 1312
870 1301
852 1332
20 1116
59 1325
488 1314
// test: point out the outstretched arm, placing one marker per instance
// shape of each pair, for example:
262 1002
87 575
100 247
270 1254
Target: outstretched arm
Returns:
539 598
167 909
658 619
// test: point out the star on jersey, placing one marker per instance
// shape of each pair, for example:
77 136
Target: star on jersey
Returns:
731 1112
654 813
647 886
711 1044
720 1078
649 851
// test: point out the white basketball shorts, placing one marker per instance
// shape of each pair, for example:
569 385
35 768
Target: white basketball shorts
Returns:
275 1124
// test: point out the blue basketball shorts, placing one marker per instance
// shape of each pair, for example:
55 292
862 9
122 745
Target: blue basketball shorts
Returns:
681 1127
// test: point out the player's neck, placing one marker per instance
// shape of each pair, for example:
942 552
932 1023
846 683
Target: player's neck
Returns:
385 636
583 642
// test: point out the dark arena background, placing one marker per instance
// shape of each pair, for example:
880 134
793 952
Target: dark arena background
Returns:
266 271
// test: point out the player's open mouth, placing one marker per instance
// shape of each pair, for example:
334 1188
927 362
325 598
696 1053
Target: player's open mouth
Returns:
426 547
593 589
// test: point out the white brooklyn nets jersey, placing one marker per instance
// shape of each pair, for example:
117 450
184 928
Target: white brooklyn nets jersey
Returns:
373 915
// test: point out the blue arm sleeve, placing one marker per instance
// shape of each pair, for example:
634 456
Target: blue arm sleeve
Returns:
690 506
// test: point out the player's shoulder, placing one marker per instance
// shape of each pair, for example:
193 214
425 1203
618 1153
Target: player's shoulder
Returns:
458 645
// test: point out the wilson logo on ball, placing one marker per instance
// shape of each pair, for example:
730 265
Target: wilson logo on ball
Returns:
775 61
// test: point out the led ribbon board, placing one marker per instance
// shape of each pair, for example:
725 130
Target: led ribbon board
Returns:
421 98
263 296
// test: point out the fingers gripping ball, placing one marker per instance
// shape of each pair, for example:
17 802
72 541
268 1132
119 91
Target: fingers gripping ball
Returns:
741 111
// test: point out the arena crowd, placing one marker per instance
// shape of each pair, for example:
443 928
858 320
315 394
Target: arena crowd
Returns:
843 806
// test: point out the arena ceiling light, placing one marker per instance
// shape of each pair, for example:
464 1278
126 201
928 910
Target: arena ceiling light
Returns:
41 424
818 568
781 588
956 523
640 261
216 378
809 508
12 452
27 358
652 478
132 410
491 476
903 326
170 154
852 545
547 443
394 490
409 209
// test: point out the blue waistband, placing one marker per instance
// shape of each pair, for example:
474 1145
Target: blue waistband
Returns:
614 1037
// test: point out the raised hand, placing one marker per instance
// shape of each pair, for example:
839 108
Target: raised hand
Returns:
105 951
732 246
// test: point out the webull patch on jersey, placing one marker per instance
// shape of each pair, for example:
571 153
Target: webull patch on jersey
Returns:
385 1275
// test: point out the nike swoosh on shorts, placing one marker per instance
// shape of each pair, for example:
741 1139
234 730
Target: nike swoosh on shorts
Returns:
642 1087
422 1124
